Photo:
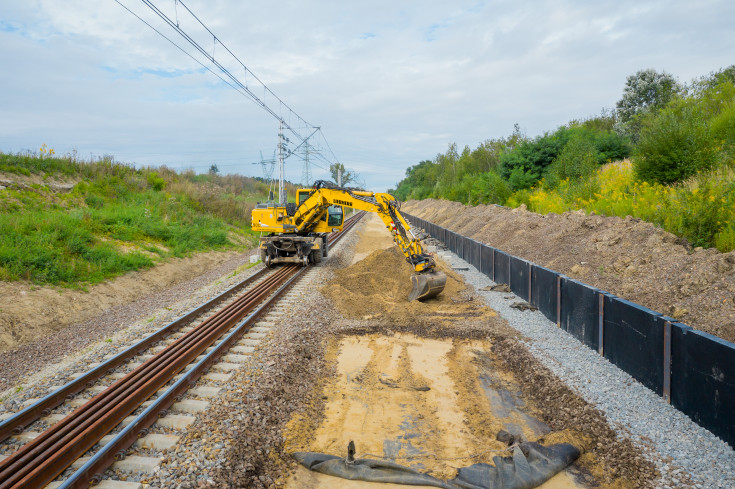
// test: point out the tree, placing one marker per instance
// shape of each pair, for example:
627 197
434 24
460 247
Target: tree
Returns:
347 175
213 170
577 160
646 90
715 79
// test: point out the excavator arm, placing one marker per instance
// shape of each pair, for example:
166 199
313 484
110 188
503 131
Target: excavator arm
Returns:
426 281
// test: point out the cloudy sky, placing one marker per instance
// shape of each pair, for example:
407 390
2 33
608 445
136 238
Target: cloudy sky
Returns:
390 83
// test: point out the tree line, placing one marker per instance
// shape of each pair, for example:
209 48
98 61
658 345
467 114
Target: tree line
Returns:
671 131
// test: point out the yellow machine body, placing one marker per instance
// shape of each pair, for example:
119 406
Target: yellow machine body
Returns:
297 232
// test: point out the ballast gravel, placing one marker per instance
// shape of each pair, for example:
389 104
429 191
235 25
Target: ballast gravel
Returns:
25 360
37 368
679 448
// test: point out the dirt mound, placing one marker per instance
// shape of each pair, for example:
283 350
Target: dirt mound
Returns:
377 287
628 257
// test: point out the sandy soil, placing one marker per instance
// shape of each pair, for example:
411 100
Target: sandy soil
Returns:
28 312
627 257
430 384
417 402
372 236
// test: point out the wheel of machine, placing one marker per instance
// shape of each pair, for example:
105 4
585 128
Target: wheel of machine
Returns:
316 256
267 261
325 246
305 260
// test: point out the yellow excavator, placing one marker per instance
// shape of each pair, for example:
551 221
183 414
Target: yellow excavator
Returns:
297 232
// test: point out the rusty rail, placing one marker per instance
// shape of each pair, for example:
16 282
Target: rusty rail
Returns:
41 460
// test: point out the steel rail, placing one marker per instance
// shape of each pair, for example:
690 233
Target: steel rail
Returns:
91 471
16 423
60 445
82 429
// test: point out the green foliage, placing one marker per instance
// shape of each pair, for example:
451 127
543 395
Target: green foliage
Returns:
577 160
491 188
419 182
711 81
520 179
681 178
690 135
115 219
701 210
155 182
645 91
527 163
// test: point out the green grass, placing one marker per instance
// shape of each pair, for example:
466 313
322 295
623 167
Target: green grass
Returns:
115 219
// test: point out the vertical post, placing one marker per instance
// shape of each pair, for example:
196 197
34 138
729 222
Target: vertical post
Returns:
339 176
601 325
479 258
667 362
558 301
493 264
529 283
281 169
510 273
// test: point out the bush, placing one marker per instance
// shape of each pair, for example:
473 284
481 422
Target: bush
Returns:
494 189
155 182
577 160
673 145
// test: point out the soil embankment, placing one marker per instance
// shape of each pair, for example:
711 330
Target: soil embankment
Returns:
628 257
30 312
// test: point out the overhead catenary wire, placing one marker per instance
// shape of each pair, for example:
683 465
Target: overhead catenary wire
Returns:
242 87
284 113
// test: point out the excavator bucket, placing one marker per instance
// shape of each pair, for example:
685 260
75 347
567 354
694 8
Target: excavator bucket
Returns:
426 285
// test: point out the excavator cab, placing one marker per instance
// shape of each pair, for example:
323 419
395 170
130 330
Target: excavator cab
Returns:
334 218
335 215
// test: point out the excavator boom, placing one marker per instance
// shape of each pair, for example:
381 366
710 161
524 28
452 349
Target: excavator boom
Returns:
298 231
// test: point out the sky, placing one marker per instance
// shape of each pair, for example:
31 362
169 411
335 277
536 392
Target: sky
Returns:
389 83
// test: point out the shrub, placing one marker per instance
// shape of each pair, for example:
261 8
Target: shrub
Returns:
155 182
673 145
578 159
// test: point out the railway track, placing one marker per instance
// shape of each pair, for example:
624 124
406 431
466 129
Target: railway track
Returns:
87 425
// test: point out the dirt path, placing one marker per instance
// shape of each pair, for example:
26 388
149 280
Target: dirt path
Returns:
429 385
627 257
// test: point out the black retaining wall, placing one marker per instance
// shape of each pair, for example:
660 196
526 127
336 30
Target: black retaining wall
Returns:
543 290
695 371
501 265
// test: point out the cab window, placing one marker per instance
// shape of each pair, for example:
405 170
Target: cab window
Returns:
303 196
335 215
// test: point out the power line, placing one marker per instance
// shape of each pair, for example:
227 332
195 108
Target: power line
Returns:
241 86
230 79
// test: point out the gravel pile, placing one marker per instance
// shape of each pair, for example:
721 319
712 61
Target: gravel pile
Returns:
679 448
42 365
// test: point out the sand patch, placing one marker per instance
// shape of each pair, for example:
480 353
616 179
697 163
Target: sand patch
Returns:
417 401
372 235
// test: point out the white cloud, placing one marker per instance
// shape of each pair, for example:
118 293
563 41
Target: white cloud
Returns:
390 83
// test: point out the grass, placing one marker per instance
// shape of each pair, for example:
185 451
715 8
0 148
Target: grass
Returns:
242 268
114 220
